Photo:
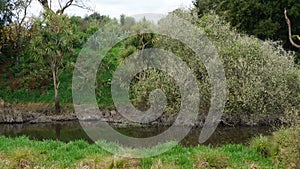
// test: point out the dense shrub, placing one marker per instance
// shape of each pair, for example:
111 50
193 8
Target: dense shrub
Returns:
262 79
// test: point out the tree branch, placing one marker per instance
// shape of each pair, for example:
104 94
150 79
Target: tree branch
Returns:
290 30
68 4
45 4
62 7
84 7
28 2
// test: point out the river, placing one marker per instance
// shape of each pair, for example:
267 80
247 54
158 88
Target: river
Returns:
70 131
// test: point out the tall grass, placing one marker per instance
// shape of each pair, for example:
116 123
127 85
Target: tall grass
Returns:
22 152
283 146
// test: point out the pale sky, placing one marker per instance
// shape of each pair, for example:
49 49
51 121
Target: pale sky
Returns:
114 8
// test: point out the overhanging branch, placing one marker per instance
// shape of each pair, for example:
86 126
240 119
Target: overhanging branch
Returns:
63 6
290 30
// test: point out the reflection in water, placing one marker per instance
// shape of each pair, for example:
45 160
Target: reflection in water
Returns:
57 131
69 131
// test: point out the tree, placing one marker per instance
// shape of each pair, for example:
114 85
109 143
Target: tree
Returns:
51 43
63 5
122 19
262 18
5 18
127 23
5 12
14 31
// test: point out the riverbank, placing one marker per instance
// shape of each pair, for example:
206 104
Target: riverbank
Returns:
22 153
276 151
45 113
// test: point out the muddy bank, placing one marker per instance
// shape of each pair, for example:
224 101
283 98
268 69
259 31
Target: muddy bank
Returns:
32 113
45 113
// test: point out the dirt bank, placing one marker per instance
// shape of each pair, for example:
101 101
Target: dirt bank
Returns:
45 113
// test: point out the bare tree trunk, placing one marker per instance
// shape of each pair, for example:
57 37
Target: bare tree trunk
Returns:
56 85
290 30
17 50
57 105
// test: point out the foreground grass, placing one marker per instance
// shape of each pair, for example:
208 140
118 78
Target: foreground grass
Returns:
281 150
24 153
283 146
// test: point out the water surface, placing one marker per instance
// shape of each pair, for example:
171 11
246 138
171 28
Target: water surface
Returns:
70 131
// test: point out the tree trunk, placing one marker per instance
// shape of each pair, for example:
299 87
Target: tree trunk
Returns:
56 85
57 105
17 47
16 60
290 30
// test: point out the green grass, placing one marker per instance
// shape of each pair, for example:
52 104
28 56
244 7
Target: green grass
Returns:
280 150
283 145
20 152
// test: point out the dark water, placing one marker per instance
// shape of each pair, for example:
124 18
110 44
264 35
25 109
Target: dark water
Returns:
69 131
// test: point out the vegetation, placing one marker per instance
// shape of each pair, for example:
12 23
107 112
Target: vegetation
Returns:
14 29
283 146
50 45
263 19
63 5
277 151
23 152
262 79
259 73
37 58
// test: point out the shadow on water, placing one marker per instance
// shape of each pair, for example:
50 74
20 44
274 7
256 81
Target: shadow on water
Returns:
70 131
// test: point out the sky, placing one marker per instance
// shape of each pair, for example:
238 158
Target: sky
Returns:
114 8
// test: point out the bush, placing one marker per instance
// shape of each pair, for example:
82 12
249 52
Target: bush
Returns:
262 79
283 146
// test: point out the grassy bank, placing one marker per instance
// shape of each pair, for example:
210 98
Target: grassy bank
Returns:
22 152
281 150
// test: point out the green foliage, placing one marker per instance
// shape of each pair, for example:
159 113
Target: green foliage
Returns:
263 19
2 58
262 79
52 40
32 79
50 45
